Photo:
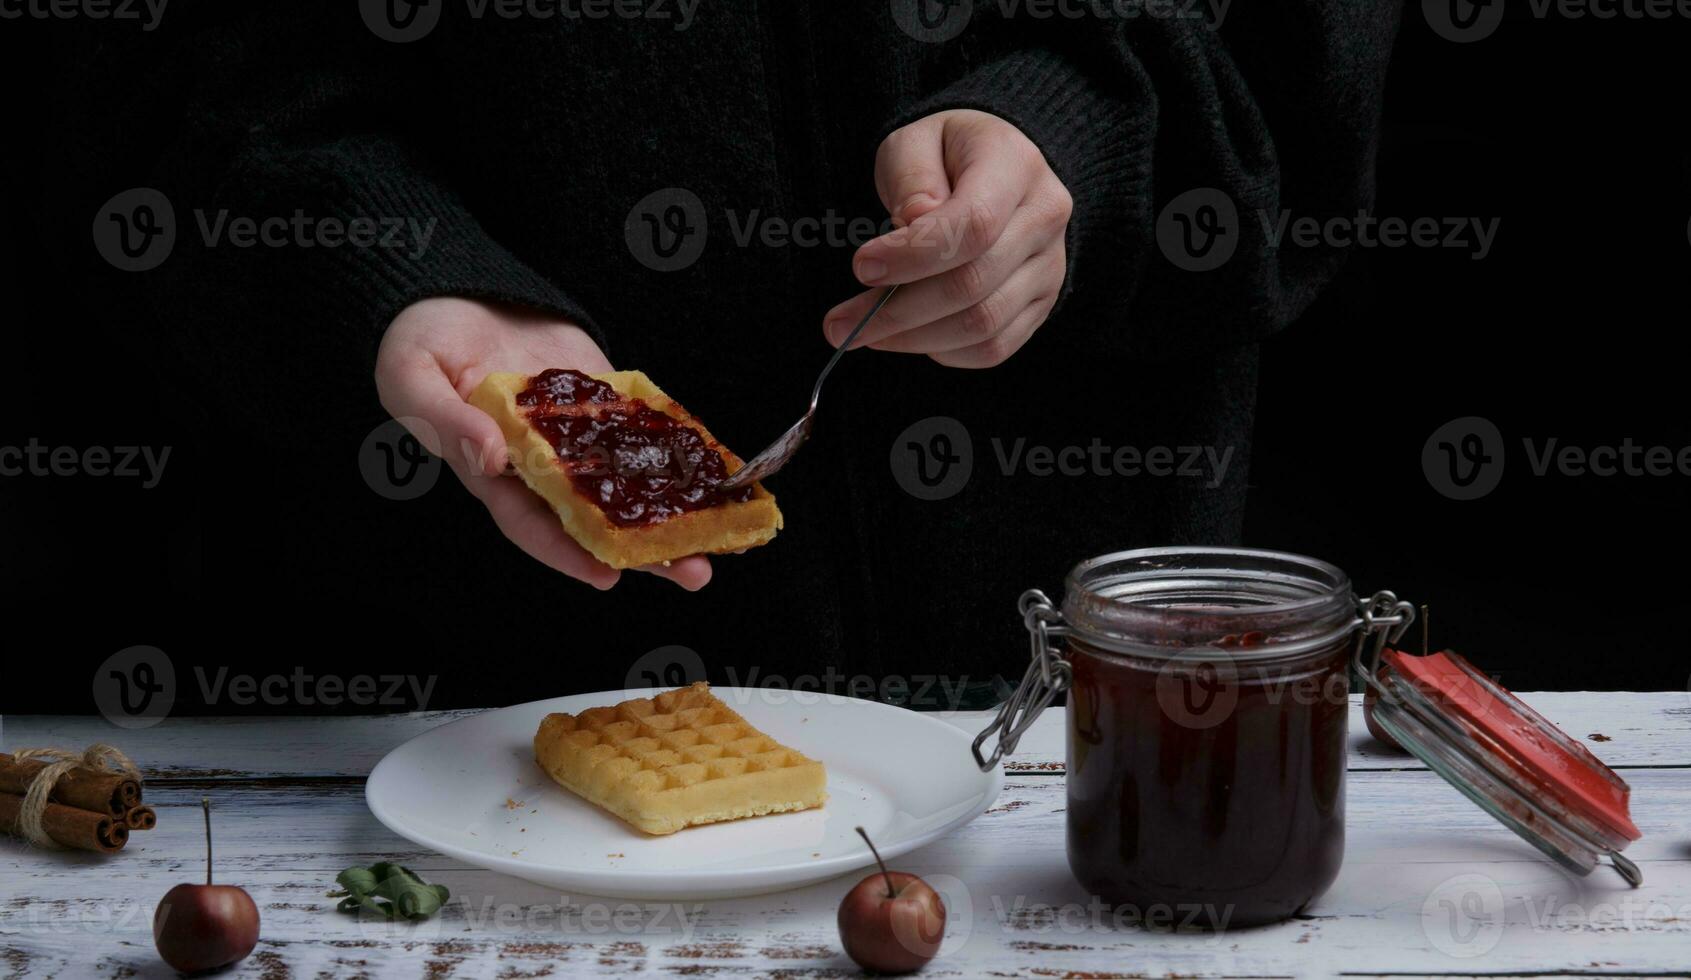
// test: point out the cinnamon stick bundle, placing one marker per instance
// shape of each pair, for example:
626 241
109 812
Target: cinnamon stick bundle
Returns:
70 826
109 793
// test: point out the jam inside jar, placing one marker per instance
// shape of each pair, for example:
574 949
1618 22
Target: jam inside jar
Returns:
1207 721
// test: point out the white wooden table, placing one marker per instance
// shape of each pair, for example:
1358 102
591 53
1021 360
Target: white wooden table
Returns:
1430 886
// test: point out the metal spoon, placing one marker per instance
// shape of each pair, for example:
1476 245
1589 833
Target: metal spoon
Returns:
770 461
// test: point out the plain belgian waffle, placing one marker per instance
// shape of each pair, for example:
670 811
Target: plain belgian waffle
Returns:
676 760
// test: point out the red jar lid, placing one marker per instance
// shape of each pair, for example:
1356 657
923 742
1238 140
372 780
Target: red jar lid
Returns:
1525 739
1507 757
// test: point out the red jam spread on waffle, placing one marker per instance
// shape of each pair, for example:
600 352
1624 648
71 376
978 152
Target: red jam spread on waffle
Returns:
639 465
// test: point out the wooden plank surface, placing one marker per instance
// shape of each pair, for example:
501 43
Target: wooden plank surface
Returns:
1431 886
1652 729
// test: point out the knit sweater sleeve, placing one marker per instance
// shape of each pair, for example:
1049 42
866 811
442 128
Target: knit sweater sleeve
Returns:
1169 131
304 203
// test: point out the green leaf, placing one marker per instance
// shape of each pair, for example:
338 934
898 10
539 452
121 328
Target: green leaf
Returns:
406 895
357 880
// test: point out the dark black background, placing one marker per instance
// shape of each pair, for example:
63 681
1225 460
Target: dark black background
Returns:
1571 131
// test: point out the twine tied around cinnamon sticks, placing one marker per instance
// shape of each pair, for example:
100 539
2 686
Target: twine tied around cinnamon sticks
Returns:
90 801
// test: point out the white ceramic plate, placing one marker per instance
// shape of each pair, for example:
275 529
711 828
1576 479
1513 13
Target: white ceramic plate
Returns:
471 790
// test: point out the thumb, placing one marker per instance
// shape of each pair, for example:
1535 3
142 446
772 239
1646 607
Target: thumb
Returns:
413 389
910 170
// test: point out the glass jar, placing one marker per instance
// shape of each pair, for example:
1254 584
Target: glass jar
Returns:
1208 711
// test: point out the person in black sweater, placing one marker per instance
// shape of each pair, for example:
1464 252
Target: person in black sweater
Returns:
1012 170
978 240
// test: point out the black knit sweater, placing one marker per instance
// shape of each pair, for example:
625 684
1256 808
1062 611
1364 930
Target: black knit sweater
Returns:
526 142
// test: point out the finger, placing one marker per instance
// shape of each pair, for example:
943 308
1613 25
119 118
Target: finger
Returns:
910 172
524 517
990 353
983 198
691 573
931 299
984 320
412 386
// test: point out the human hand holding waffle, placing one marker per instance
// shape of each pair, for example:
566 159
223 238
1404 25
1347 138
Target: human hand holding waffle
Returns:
433 356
